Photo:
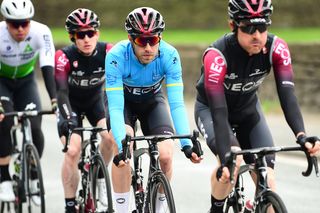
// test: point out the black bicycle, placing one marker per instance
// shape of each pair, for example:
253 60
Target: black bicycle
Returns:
92 169
145 197
264 198
25 167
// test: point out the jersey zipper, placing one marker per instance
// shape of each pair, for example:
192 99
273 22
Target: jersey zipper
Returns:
16 67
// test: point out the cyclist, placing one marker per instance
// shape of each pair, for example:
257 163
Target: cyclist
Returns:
135 69
233 68
80 77
22 41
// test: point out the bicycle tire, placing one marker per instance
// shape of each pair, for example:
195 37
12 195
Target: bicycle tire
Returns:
7 207
231 204
137 193
159 180
269 199
98 167
32 165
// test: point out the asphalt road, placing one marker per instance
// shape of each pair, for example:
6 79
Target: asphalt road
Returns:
191 182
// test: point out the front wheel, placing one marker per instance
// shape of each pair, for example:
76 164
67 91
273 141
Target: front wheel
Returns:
101 186
231 204
34 190
161 197
271 200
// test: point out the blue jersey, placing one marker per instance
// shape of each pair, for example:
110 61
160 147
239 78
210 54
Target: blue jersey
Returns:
127 78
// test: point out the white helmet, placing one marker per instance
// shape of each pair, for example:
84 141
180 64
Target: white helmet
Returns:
17 9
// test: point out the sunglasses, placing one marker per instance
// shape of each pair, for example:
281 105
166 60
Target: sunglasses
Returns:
143 41
251 29
18 24
83 34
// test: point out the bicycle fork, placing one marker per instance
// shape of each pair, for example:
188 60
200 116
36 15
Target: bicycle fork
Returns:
262 180
85 197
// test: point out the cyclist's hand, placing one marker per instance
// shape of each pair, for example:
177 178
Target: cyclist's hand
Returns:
54 105
312 144
119 160
191 154
1 112
223 174
68 126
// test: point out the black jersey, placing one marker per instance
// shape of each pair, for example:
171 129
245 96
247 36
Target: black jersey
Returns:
81 77
230 78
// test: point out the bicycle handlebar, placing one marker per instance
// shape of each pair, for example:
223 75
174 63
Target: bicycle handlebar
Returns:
94 130
231 158
158 138
28 113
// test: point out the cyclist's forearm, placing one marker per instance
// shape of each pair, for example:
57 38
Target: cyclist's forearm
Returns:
179 113
116 109
64 104
47 73
291 110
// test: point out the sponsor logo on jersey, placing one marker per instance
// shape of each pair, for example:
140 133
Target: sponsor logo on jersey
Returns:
78 73
114 63
143 90
61 63
232 76
243 86
175 59
284 53
75 64
28 48
79 78
9 48
216 68
47 44
87 82
258 72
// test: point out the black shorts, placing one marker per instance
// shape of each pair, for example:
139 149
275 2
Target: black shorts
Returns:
153 115
94 112
18 95
248 132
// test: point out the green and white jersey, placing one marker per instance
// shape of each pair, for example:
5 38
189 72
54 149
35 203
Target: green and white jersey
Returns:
17 59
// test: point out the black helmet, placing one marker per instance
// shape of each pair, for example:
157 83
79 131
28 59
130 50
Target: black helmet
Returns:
81 18
259 10
144 21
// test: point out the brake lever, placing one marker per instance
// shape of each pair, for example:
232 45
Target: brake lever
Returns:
312 160
316 166
196 144
126 148
65 148
230 164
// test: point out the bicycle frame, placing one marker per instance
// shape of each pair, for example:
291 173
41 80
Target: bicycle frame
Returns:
142 197
154 166
260 168
22 123
88 159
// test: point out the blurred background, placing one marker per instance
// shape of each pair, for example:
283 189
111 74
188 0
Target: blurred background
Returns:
178 14
195 17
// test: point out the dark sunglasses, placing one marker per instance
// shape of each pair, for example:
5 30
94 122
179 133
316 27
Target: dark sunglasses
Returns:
83 34
250 29
18 24
143 41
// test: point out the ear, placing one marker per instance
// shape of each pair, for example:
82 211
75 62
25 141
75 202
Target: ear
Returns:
130 38
231 25
71 36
